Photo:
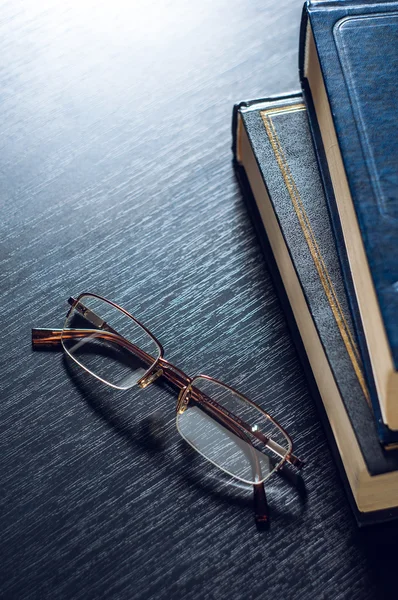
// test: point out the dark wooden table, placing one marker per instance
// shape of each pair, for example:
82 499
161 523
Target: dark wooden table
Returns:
116 177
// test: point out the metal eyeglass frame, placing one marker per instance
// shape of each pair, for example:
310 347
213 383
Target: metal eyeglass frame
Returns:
160 367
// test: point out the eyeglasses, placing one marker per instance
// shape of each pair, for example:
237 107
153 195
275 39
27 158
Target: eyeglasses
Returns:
220 423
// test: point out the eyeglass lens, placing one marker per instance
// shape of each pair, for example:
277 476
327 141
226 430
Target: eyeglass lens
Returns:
98 339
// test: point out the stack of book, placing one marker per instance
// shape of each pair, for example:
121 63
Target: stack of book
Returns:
319 174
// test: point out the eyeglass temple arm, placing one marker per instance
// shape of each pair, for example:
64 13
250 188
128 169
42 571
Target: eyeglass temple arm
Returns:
46 338
43 337
261 511
52 337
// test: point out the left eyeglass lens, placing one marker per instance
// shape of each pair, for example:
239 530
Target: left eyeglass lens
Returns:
108 343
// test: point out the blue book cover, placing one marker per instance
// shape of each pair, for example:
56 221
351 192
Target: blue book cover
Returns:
349 72
277 169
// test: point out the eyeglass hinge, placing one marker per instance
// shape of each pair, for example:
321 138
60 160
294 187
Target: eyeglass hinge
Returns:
183 401
145 381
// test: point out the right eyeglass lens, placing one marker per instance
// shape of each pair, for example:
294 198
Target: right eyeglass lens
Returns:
251 451
109 344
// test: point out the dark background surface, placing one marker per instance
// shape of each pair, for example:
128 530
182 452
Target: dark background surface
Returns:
116 178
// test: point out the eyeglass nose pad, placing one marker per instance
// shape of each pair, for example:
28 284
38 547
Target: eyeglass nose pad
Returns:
150 378
183 400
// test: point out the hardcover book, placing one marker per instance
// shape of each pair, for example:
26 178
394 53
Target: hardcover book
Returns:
349 73
277 168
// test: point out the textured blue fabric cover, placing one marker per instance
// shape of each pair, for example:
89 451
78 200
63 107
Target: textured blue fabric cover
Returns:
357 45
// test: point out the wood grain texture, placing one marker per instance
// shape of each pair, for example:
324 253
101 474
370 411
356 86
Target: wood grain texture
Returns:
116 178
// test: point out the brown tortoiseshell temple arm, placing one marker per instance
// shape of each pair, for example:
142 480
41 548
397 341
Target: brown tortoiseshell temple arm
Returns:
48 338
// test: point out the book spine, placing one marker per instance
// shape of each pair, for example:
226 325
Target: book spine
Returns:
302 42
246 104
